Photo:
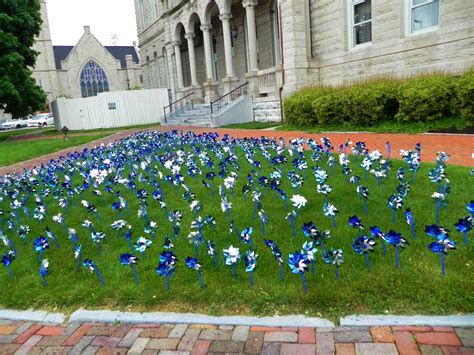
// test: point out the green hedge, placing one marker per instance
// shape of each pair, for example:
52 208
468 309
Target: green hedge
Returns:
418 99
298 108
427 99
465 95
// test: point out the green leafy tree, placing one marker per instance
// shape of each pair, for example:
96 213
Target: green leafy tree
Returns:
20 23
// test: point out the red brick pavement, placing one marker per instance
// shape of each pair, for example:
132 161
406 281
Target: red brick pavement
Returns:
203 338
460 147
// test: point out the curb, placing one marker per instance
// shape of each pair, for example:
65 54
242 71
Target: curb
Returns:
82 315
382 320
33 316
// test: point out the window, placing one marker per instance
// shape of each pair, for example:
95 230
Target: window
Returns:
276 34
142 13
148 73
155 8
423 14
167 68
157 68
215 59
361 22
93 80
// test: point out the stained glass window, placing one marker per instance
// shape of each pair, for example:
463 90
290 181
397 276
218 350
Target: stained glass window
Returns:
93 80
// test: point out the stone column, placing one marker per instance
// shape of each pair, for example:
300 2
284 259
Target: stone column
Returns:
206 31
179 65
229 65
251 34
192 58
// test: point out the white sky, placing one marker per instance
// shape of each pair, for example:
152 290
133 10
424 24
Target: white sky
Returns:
67 19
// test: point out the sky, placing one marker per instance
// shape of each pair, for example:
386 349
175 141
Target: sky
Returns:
67 19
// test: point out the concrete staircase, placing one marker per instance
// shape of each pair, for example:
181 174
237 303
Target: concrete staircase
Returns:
199 115
266 109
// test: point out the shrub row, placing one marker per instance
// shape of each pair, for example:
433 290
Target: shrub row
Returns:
418 99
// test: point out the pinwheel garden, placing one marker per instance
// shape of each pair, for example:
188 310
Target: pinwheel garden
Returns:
187 222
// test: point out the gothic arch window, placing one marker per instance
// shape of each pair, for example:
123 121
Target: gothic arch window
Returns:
276 33
93 79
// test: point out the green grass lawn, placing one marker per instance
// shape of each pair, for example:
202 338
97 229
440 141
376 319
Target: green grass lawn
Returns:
103 130
17 151
253 125
416 287
447 123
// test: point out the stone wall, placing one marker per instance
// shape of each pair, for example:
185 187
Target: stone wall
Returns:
394 51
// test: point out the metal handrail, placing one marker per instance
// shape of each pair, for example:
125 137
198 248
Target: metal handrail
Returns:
223 101
174 104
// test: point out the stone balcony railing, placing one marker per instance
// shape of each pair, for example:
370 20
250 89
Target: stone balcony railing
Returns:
269 80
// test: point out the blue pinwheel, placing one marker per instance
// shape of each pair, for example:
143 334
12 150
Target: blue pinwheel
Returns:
309 250
166 266
330 211
51 235
98 238
362 245
470 207
193 264
334 257
150 228
168 244
310 230
263 220
395 202
440 201
464 225
232 257
131 261
276 254
410 221
211 251
78 255
395 239
141 245
251 263
89 265
7 259
246 236
40 244
377 233
363 193
441 246
298 264
44 270
356 222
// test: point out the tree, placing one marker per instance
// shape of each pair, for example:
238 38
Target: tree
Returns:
20 23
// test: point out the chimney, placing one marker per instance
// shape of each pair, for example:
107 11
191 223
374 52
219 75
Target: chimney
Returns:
87 29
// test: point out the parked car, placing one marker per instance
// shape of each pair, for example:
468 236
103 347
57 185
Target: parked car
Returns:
41 120
17 123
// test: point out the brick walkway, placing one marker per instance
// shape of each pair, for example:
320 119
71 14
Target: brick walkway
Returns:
460 147
100 338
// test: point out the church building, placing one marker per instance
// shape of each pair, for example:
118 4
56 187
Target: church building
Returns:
85 69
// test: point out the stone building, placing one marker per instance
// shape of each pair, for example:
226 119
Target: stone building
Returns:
209 47
84 69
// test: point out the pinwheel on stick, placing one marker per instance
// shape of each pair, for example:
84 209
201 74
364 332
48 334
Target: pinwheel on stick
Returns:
141 245
334 257
395 239
232 257
250 263
131 261
276 254
89 265
464 225
166 266
298 264
330 211
40 244
193 264
7 259
44 270
362 245
410 221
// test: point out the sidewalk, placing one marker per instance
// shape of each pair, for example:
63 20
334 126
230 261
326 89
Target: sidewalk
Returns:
102 338
459 147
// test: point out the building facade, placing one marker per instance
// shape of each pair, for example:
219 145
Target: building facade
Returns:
208 47
85 69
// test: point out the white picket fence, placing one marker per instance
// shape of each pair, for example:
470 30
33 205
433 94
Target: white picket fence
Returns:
110 109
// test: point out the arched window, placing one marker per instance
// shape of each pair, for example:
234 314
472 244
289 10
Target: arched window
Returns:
155 9
148 73
142 13
93 80
157 68
167 68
